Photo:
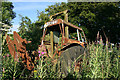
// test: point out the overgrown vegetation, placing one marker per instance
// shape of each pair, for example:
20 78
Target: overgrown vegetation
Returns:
102 62
103 59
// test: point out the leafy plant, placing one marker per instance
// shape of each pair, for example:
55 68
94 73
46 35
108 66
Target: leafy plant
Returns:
45 68
103 61
12 69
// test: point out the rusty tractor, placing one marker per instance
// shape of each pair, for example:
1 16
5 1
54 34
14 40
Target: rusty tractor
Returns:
60 38
63 39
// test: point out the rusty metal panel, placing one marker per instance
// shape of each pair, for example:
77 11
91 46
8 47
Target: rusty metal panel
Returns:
10 46
73 41
58 21
52 23
30 65
18 41
21 49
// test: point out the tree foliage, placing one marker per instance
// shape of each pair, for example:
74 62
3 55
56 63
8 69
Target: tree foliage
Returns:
7 16
92 17
32 31
7 12
95 17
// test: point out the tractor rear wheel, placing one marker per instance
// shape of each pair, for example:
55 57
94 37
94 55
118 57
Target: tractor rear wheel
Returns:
70 56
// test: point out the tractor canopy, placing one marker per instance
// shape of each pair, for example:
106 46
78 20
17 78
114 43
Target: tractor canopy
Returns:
60 21
63 28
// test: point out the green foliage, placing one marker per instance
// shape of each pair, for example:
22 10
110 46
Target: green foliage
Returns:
42 18
7 12
7 15
31 32
58 7
46 69
92 17
101 62
11 68
95 17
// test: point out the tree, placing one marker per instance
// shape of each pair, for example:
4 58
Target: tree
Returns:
32 31
58 7
92 17
7 13
95 17
6 16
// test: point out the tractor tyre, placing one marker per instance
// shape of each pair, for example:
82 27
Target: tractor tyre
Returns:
70 56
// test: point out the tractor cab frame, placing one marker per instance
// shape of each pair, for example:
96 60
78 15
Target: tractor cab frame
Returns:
59 29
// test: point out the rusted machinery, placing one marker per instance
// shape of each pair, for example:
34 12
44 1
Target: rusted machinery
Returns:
63 39
61 43
17 48
60 38
52 44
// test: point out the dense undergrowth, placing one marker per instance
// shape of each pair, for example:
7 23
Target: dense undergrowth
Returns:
102 61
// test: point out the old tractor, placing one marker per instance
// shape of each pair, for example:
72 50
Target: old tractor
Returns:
60 38
63 39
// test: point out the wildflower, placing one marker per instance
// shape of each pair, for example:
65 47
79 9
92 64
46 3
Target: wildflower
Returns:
110 50
101 39
94 49
42 53
7 55
13 78
38 51
17 60
35 70
39 55
3 70
16 57
3 56
106 45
